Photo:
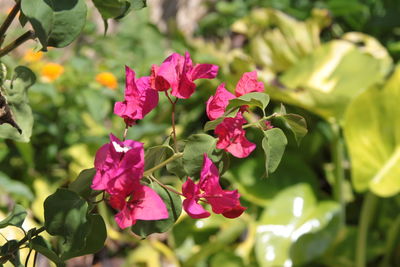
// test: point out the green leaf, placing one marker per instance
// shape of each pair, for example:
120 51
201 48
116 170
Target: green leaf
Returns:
15 92
112 8
16 218
296 124
196 146
81 185
326 81
138 4
295 229
42 246
8 249
174 207
157 154
94 239
257 99
176 167
371 129
56 23
65 215
273 143
15 187
210 125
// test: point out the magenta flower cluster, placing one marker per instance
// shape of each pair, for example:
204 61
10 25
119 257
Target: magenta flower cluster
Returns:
120 164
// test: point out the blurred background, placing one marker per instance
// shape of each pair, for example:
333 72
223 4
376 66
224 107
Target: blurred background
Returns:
315 57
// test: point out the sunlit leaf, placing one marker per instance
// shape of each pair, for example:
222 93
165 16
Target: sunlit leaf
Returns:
372 134
295 229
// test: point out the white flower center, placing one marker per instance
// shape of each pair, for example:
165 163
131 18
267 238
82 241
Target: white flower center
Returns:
119 148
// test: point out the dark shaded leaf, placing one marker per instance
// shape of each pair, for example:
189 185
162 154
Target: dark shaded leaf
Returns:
16 218
274 144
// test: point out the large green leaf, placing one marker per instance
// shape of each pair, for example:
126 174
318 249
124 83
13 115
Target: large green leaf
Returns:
42 246
372 132
16 218
15 92
174 207
327 80
112 8
56 23
295 229
94 239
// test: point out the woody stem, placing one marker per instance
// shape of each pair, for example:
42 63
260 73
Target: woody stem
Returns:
164 186
7 22
173 103
125 132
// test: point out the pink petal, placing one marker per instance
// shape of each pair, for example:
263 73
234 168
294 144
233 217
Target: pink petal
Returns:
224 201
235 212
231 137
124 218
248 83
217 103
148 205
209 177
194 209
204 71
190 189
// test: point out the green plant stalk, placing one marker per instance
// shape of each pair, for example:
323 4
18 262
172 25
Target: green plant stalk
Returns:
17 42
337 148
7 22
164 186
392 236
259 121
367 212
162 164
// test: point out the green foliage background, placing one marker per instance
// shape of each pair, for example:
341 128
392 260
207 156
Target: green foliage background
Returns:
334 62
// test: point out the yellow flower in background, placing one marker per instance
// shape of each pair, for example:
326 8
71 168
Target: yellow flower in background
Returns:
52 71
107 79
32 56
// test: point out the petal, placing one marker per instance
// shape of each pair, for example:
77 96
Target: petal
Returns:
101 156
124 218
204 71
148 205
217 103
209 177
224 201
190 189
234 213
248 83
194 209
158 83
231 137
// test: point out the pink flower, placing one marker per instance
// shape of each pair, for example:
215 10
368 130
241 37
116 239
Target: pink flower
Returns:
248 83
140 98
231 137
217 103
119 166
223 202
143 204
177 72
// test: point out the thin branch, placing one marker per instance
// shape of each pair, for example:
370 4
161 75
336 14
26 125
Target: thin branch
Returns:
7 22
165 186
17 42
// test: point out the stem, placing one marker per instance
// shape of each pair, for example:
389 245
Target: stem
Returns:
260 120
9 256
337 149
27 258
162 164
7 22
125 132
173 120
17 42
392 236
367 213
164 186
